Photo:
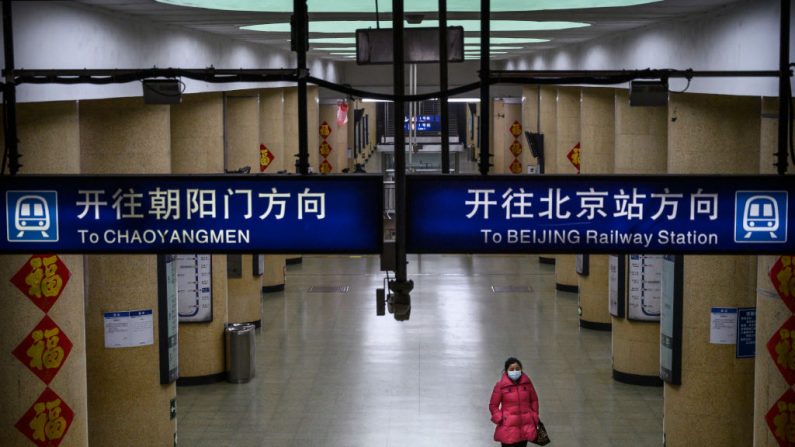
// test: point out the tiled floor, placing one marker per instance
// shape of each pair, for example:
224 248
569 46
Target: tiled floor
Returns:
332 373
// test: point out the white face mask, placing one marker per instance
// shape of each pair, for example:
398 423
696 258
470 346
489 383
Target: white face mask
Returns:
514 375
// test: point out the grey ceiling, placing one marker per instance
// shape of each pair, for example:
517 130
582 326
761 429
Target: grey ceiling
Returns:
603 20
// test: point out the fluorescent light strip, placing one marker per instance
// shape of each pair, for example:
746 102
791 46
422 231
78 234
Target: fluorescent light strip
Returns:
350 26
323 6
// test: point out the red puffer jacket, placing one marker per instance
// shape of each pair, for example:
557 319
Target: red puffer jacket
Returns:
514 408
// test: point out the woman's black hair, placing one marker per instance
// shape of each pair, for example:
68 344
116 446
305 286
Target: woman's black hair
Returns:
511 361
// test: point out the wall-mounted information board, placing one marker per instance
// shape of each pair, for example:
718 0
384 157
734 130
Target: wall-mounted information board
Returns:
616 283
194 288
644 291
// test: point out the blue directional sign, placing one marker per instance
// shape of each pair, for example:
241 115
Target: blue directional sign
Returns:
599 214
188 214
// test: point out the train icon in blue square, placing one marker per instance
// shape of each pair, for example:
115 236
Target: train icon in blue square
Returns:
32 216
760 217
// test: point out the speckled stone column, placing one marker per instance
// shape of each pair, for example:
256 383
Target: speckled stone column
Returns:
568 135
640 148
242 127
771 310
127 405
710 134
197 147
49 143
597 126
271 134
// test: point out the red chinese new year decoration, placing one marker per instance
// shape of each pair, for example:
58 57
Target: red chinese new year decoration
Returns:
782 275
265 157
325 167
42 279
516 148
781 419
325 148
516 167
515 129
325 130
47 420
574 156
782 349
44 350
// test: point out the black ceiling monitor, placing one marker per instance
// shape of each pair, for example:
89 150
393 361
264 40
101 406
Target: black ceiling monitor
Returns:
420 45
536 143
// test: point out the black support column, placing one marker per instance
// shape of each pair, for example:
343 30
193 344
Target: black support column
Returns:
400 287
300 19
485 110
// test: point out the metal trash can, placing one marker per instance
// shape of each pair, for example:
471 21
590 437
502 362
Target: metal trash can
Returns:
240 350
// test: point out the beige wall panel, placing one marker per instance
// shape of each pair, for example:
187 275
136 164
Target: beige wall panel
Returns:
771 312
711 134
641 139
271 129
124 136
197 136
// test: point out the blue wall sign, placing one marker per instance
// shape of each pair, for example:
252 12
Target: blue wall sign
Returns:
600 214
746 332
188 214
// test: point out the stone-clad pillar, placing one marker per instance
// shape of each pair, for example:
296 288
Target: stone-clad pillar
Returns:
127 405
640 148
271 135
772 313
710 134
197 147
243 140
597 128
49 142
568 135
548 111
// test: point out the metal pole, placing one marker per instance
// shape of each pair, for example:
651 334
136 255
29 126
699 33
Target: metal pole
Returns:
300 13
485 112
400 286
783 90
10 93
443 86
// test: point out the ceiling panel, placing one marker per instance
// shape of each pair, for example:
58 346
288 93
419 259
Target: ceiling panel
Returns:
602 21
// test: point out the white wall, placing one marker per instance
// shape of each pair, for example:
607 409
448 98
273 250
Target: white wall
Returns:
741 37
66 35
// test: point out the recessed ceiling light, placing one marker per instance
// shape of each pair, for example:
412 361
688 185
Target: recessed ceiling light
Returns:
410 5
492 47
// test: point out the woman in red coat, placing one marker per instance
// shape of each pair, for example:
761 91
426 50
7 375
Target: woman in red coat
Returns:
514 406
